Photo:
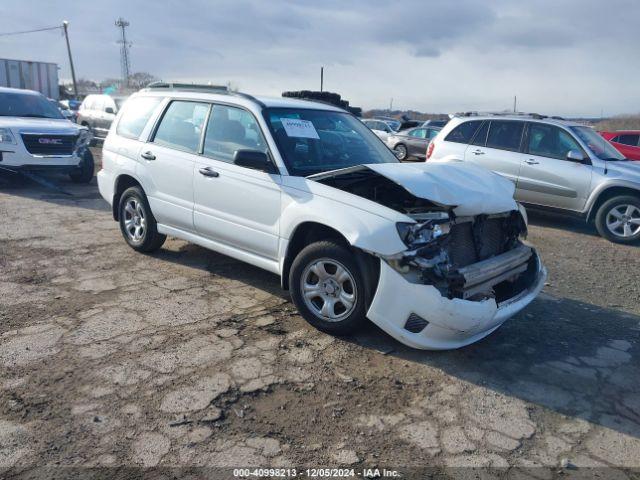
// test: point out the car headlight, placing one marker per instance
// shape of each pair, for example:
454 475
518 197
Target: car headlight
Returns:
523 212
416 234
84 138
6 136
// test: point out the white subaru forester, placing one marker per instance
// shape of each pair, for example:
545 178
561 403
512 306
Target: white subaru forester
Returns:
433 254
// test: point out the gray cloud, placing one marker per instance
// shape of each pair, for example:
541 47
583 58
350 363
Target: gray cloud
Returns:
567 57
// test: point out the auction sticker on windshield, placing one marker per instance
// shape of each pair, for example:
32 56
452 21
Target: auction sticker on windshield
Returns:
299 128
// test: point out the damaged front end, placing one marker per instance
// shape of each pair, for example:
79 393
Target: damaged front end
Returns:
472 258
465 269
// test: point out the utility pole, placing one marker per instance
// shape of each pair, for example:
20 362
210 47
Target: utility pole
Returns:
321 78
65 25
391 105
122 24
515 103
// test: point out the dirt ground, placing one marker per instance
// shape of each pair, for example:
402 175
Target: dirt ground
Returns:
188 358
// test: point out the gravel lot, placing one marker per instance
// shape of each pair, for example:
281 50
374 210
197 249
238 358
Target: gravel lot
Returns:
189 358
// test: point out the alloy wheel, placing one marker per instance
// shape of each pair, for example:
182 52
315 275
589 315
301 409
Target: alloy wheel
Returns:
328 289
624 220
135 222
400 151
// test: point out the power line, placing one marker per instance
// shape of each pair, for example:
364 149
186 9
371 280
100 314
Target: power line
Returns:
6 34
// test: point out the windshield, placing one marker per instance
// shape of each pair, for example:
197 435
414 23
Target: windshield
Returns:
600 147
314 141
27 105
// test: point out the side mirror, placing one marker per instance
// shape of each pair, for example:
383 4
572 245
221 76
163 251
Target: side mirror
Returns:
254 159
575 156
109 110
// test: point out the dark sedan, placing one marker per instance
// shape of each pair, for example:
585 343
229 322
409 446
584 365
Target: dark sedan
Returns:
412 143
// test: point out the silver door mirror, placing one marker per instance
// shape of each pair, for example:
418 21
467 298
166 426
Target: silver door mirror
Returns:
575 156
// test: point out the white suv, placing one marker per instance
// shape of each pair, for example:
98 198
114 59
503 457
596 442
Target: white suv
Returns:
430 253
554 163
35 137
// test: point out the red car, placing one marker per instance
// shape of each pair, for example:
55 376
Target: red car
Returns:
627 142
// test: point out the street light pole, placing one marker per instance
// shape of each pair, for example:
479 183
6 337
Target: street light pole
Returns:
65 24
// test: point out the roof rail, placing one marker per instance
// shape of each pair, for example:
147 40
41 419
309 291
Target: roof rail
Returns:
187 86
536 116
195 87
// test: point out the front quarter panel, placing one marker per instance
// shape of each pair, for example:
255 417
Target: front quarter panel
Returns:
363 229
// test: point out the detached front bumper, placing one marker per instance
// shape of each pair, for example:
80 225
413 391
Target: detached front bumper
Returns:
452 323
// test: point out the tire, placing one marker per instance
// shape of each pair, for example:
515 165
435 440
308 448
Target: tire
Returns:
341 319
625 210
85 171
400 151
142 234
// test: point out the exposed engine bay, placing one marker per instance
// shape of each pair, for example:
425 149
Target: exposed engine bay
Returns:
467 257
472 258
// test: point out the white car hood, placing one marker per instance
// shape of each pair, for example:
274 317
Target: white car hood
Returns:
39 125
467 188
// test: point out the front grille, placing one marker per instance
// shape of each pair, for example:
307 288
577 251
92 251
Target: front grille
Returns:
471 242
42 144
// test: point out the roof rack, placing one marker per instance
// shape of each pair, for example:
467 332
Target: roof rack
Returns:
536 116
195 87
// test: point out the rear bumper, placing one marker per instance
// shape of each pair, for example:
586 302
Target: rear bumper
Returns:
106 185
453 323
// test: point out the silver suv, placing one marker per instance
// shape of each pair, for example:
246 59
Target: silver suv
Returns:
555 164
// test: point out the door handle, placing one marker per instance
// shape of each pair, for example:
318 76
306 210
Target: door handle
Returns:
208 172
148 156
531 161
478 152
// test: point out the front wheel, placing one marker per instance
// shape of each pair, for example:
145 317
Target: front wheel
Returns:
137 223
328 287
85 170
400 150
618 219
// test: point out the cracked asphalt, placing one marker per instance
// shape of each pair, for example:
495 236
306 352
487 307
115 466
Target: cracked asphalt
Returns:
188 358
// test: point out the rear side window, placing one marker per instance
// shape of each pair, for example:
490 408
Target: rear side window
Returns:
480 138
419 133
464 132
231 129
135 116
181 126
432 133
628 139
505 135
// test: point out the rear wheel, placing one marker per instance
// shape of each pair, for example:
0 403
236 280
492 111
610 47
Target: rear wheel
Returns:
400 150
328 287
137 223
618 219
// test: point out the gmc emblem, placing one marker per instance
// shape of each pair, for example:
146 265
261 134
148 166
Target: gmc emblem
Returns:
50 141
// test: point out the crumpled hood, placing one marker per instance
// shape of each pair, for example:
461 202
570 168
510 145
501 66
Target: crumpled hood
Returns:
471 189
40 125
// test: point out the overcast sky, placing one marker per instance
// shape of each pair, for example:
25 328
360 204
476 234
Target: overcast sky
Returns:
569 57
